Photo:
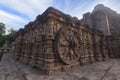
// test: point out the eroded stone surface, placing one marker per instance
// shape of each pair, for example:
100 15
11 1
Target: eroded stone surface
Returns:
12 70
55 42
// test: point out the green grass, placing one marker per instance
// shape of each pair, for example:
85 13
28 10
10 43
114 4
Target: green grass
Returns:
6 49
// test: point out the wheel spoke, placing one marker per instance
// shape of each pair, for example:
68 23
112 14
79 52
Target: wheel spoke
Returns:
65 36
72 55
69 45
63 43
65 53
76 53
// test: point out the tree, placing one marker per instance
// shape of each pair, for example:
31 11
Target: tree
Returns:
6 39
2 40
2 28
2 31
11 36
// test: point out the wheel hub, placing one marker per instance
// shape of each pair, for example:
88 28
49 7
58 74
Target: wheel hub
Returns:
72 44
68 45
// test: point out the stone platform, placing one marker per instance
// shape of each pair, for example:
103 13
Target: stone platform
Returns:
12 70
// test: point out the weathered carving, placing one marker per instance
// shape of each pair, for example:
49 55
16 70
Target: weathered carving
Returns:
57 42
104 19
68 44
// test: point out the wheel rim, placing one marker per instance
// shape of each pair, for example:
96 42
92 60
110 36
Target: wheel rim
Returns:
68 45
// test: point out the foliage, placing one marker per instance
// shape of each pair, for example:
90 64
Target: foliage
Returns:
11 36
2 31
2 28
6 40
2 40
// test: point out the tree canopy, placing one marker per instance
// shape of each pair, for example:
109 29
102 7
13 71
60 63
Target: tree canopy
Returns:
11 36
6 39
2 28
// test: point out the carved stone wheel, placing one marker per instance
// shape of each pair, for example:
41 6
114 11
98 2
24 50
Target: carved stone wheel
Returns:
67 44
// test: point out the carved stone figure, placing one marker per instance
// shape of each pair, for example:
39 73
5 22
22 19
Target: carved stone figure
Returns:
57 42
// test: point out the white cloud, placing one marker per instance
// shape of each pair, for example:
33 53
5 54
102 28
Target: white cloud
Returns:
113 4
39 5
31 8
28 7
82 8
11 21
19 6
6 17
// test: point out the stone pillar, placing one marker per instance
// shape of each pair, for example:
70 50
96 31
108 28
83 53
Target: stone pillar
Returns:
97 47
28 52
34 54
18 44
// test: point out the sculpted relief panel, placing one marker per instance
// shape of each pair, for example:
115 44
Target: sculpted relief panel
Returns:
57 42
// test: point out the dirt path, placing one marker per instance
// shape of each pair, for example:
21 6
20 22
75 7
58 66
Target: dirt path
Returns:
107 70
9 69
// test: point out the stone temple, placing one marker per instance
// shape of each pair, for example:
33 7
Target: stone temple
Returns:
56 42
107 21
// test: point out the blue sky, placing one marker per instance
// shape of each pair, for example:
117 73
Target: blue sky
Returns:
17 13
